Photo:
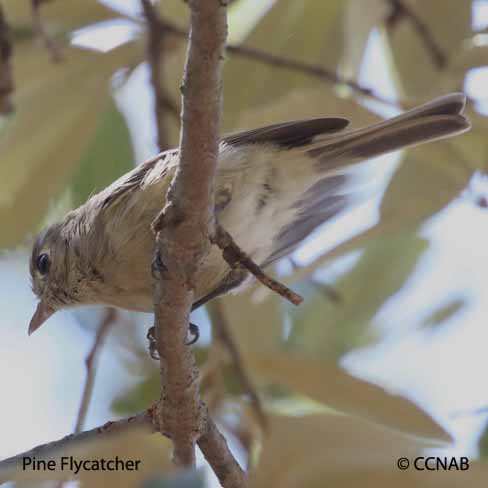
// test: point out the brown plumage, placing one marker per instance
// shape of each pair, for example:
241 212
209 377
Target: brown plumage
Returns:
274 186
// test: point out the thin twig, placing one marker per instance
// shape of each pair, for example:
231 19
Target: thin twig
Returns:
328 291
235 257
309 69
6 76
400 9
90 365
319 72
44 450
40 29
155 56
224 334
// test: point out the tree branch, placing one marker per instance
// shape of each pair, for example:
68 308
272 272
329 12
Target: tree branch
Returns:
90 363
44 450
40 29
155 57
224 334
401 9
235 257
289 64
183 231
217 453
6 76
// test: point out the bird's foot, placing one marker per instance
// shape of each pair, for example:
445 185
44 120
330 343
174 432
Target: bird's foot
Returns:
158 268
193 331
153 345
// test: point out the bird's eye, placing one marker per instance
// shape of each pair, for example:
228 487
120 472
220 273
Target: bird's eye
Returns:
43 263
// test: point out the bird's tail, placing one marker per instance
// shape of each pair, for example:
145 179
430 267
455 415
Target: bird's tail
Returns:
437 119
337 153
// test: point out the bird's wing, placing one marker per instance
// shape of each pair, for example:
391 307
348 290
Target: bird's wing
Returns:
286 134
133 179
290 134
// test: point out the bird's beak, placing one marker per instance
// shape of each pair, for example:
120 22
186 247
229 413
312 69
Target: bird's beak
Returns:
42 313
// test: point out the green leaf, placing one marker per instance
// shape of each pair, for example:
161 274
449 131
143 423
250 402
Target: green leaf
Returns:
328 330
449 24
58 108
186 479
109 155
429 178
244 16
306 103
147 388
138 397
317 44
329 384
62 15
254 325
483 444
153 453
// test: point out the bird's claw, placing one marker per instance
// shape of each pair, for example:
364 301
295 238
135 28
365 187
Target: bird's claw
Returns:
153 345
194 331
157 266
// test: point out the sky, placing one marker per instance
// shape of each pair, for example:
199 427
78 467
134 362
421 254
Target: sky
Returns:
442 369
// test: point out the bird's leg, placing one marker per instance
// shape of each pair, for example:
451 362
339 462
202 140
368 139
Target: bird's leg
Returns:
157 266
193 331
157 269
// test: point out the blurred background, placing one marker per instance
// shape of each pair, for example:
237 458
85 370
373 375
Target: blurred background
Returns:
386 355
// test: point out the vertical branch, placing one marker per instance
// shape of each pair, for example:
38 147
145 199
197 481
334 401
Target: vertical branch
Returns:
155 57
183 231
6 77
40 29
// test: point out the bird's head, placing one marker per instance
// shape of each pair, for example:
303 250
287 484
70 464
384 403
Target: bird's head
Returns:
55 273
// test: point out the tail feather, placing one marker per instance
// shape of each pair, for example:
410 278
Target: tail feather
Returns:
435 120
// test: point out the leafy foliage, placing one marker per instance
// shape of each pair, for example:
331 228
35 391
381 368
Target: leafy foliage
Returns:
67 139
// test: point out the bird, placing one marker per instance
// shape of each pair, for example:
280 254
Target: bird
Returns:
274 186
